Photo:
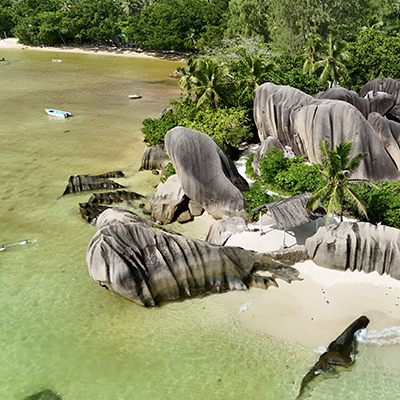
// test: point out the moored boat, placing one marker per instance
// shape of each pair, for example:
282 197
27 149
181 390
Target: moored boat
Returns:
58 113
135 96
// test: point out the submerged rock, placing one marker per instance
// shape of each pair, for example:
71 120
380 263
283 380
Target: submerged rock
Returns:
44 395
339 353
81 183
357 246
149 266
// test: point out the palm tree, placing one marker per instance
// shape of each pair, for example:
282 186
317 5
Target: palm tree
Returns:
336 170
257 71
312 53
209 82
187 80
330 67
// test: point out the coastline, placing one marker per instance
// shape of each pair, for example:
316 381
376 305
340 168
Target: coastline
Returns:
314 311
13 44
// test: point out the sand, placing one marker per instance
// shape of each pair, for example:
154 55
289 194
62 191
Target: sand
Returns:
312 311
13 43
317 309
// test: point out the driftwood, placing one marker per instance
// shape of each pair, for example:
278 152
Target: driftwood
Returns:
340 353
81 183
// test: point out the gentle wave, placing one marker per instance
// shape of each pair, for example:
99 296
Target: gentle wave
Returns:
245 306
386 336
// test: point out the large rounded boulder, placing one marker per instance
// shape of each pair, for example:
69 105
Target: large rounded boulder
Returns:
357 246
149 266
206 173
302 122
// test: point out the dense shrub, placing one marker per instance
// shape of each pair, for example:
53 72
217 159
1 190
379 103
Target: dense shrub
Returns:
257 196
227 126
383 203
168 171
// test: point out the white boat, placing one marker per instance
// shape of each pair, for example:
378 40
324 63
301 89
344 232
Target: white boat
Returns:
58 113
135 96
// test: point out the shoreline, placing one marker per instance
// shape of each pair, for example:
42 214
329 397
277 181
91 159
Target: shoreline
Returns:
315 311
13 44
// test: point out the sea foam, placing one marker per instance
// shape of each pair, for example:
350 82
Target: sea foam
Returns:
383 337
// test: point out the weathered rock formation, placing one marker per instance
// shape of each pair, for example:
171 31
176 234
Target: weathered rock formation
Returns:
150 266
380 103
357 246
386 85
206 174
114 197
302 122
389 132
98 202
154 157
81 183
168 202
339 353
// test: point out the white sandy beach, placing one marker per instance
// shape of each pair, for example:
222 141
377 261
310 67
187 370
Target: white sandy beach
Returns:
318 308
13 43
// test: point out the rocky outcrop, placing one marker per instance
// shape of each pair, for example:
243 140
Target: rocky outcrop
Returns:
386 85
151 266
357 246
222 229
44 395
81 183
340 352
206 174
302 122
389 132
380 103
154 157
98 203
168 202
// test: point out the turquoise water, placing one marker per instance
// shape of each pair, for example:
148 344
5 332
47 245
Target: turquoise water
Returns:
59 329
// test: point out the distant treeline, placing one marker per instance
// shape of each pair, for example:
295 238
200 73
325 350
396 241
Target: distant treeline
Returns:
193 24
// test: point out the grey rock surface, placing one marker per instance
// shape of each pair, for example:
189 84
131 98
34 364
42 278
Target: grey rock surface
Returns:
154 157
357 246
163 206
150 266
206 173
302 122
380 103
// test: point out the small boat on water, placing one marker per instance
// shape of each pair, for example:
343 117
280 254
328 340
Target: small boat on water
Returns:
58 113
135 96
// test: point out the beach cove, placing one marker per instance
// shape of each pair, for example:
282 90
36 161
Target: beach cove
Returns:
61 331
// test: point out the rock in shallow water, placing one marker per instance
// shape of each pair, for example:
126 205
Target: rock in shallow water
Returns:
150 266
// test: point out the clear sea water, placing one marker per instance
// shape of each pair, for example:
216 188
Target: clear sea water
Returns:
58 329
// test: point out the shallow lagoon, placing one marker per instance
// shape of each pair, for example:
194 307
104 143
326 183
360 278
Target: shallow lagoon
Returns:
61 331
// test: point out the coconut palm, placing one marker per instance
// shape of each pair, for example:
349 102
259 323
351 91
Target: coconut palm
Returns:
330 67
209 82
336 170
257 70
312 53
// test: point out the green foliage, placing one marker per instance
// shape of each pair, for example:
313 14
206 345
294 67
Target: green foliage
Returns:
257 196
337 168
299 178
271 164
249 168
155 129
6 18
227 126
168 171
247 19
382 203
373 55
